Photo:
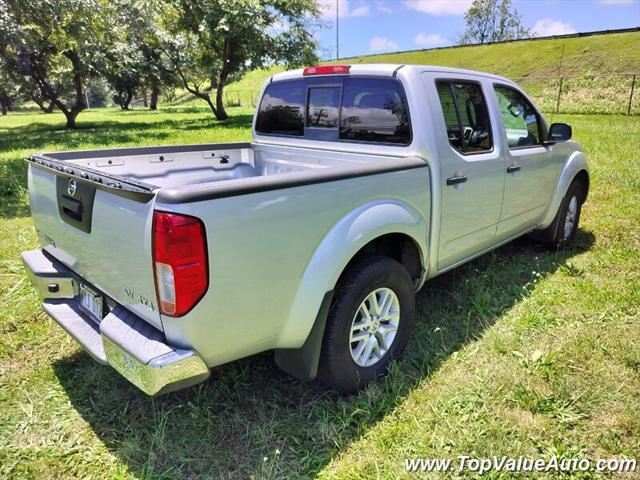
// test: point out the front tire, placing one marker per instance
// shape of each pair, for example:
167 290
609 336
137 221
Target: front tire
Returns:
369 324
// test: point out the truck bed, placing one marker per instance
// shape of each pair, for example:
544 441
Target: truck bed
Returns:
189 173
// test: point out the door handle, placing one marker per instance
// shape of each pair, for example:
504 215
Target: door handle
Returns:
456 180
71 207
513 168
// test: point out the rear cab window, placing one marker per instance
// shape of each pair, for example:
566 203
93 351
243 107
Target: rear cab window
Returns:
282 109
466 116
352 109
323 107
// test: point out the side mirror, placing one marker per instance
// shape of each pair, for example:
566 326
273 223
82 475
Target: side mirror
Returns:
560 132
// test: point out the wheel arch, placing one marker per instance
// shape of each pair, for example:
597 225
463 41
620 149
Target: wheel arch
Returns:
576 167
583 177
399 246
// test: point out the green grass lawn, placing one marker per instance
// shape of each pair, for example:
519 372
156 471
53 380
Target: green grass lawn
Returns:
520 352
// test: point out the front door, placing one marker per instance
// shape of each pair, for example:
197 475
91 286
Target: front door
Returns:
530 172
471 171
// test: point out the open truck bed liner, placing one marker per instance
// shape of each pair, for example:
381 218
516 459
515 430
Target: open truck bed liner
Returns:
191 173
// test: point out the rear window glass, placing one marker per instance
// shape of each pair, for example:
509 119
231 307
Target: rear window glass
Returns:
324 103
282 109
352 109
466 116
374 110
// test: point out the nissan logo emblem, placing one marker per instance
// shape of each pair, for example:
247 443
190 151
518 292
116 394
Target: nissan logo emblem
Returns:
72 187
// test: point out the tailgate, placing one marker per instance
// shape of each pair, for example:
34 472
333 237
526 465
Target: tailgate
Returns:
99 232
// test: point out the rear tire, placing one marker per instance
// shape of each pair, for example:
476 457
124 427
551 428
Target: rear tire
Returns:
565 224
369 324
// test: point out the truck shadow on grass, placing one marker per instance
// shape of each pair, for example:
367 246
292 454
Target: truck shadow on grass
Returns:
234 425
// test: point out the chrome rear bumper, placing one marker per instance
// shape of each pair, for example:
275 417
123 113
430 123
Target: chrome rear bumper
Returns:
134 348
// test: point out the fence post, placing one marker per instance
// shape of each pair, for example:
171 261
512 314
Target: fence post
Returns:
559 93
633 86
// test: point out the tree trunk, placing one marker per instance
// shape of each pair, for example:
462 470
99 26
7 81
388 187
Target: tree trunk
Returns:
221 114
207 98
6 104
144 98
79 104
71 118
127 100
41 105
195 91
155 92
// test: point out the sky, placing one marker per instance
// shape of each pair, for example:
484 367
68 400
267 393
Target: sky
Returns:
379 26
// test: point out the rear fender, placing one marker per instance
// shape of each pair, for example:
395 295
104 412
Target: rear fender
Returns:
344 240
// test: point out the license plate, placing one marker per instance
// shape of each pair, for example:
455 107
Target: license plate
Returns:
91 303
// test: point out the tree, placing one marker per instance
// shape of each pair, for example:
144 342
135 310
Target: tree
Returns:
15 88
9 89
135 59
492 21
123 72
58 43
213 40
30 91
155 73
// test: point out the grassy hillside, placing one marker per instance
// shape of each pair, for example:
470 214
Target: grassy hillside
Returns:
535 64
597 54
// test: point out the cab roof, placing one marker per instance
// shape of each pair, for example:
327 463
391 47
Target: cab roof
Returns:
388 70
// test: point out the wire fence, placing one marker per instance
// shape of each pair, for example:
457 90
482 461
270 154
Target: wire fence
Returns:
601 94
616 93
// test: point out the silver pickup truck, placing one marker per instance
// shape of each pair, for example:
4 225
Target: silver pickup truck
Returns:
361 183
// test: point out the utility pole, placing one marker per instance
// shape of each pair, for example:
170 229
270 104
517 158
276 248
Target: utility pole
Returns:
337 29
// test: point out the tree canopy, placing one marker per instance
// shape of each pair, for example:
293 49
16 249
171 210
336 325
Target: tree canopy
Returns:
55 48
490 21
56 42
215 40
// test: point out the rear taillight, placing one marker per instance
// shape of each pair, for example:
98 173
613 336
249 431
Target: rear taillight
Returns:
179 261
326 70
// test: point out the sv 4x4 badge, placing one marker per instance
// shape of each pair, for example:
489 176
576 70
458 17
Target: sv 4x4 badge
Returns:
129 292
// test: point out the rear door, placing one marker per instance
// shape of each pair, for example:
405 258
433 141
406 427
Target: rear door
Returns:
471 169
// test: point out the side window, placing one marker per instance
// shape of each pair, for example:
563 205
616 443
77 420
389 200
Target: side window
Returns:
374 110
521 121
322 111
466 116
282 109
450 116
